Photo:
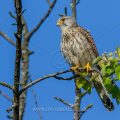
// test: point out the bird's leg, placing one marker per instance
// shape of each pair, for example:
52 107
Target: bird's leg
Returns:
75 69
88 67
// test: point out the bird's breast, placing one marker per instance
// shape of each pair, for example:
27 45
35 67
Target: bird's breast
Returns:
76 49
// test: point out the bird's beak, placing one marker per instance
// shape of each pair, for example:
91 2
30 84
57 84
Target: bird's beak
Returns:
59 23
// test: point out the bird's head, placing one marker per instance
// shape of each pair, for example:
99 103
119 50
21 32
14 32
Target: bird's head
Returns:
66 22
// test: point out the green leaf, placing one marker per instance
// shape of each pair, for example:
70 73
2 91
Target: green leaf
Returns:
115 79
106 80
115 91
109 70
110 57
85 84
101 64
97 60
114 62
118 98
103 72
117 71
83 73
80 82
118 52
88 86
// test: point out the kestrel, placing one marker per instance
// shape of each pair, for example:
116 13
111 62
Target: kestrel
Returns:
78 48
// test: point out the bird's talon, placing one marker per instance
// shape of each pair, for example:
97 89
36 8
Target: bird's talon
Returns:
75 69
88 67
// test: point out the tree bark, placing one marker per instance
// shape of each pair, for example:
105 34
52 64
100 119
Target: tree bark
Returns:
77 90
24 79
18 35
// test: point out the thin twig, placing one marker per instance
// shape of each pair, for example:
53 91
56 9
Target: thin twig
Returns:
11 15
62 78
36 102
84 93
43 78
48 1
85 110
7 38
6 85
64 102
6 96
10 109
65 10
73 6
43 19
77 2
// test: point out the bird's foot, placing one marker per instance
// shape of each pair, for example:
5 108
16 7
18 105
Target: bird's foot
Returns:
87 67
75 69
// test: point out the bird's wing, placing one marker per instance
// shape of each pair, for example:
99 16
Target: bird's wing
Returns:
89 38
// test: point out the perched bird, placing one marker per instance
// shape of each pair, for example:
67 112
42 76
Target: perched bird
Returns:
79 50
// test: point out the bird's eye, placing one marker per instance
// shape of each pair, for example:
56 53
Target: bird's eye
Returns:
63 19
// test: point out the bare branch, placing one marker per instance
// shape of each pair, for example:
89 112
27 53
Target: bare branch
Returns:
43 78
77 90
70 78
6 85
36 102
73 6
85 110
43 19
7 38
48 1
18 35
84 93
24 68
77 2
5 96
55 75
65 10
25 27
64 102
11 15
77 102
10 109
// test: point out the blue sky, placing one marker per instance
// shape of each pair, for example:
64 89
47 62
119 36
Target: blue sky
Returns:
101 18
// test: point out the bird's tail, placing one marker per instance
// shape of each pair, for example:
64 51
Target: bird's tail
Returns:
103 94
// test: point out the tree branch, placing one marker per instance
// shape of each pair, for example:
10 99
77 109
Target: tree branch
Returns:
36 102
77 90
11 15
77 2
73 6
7 38
54 75
43 19
64 102
25 27
24 68
10 109
43 78
48 1
84 93
18 35
70 78
77 102
5 96
85 110
6 85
